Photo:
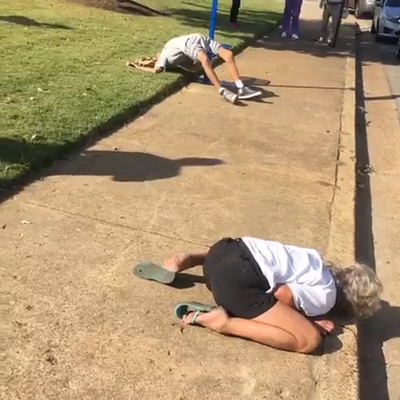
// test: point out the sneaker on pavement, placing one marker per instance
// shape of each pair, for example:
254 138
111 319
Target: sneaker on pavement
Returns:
284 34
247 93
295 36
228 96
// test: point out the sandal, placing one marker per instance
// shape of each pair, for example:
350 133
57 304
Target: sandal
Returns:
154 272
183 309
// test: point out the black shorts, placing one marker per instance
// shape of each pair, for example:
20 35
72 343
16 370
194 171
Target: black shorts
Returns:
236 281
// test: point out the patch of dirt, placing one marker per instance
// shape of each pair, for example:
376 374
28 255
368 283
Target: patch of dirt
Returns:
124 6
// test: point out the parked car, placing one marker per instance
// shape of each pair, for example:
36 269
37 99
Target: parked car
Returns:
362 8
386 19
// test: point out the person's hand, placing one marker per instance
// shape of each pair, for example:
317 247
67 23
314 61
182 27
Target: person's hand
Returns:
325 326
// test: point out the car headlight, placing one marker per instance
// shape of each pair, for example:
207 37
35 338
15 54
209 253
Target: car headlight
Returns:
393 19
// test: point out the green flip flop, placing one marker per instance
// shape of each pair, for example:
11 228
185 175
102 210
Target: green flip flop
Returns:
153 272
183 309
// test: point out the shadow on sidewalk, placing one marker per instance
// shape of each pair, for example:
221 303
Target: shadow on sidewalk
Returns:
121 166
130 166
307 44
261 83
385 325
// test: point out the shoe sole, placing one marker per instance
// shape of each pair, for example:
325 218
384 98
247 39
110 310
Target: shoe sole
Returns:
153 272
250 96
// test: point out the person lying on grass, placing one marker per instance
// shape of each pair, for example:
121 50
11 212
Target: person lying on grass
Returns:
278 295
197 48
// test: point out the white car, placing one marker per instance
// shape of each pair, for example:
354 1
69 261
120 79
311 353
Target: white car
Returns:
386 19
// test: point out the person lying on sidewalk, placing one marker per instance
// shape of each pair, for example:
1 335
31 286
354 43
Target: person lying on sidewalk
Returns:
197 48
274 294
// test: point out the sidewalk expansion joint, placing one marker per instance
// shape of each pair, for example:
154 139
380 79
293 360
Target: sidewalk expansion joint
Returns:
118 225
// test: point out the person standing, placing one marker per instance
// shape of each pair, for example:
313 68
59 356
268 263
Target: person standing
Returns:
234 13
331 9
291 16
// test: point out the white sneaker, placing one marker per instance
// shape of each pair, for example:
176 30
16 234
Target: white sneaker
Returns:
284 34
295 36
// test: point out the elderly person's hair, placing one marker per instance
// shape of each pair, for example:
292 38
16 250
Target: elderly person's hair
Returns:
358 290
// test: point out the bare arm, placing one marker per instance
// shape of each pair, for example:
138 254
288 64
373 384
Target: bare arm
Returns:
283 294
208 69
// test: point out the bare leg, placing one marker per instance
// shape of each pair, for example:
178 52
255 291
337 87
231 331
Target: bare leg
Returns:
227 56
182 262
280 327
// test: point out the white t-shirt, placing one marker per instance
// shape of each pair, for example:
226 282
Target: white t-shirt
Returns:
312 284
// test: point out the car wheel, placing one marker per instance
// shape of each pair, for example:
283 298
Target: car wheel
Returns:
358 12
398 49
377 36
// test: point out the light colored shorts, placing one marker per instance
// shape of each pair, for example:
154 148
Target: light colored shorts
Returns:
198 42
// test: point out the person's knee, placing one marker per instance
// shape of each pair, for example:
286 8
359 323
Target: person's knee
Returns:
225 54
309 342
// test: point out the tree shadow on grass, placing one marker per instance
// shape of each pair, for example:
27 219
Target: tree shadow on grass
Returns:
123 6
21 20
198 17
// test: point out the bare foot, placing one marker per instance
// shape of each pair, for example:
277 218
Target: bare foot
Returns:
179 262
216 320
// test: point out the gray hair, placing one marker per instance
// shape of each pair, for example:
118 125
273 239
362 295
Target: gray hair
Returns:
359 290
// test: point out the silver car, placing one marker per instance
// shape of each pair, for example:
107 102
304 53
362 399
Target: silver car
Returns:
386 19
362 8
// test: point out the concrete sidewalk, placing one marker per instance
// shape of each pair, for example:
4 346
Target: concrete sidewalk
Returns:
191 170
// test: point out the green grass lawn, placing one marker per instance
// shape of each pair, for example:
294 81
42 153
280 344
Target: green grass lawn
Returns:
66 78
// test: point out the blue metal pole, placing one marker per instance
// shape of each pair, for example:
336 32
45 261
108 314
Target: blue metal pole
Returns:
213 18
211 29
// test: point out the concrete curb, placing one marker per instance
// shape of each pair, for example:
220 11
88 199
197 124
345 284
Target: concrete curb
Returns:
342 366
